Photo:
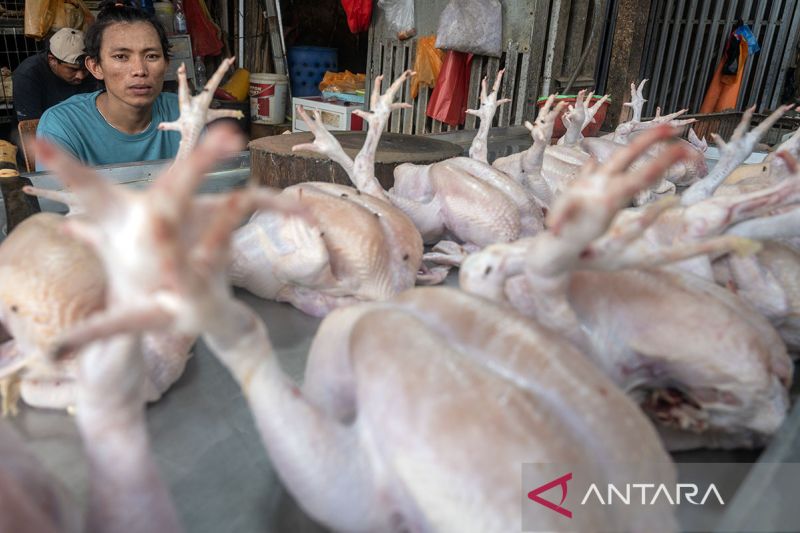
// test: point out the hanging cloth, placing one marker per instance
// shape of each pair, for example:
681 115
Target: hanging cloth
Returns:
448 102
205 34
359 14
723 91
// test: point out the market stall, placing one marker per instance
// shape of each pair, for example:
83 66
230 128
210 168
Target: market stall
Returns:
616 302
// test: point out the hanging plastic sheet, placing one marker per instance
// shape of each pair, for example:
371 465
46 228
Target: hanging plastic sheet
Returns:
448 102
400 16
72 14
359 14
39 17
427 64
473 26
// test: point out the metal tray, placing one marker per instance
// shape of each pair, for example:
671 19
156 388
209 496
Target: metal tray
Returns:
231 173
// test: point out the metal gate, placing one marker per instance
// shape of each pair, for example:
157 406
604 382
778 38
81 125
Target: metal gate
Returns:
14 48
543 42
684 44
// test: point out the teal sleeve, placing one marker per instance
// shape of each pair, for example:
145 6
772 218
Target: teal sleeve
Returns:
51 127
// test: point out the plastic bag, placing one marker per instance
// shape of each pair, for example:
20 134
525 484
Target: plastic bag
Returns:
400 16
427 64
359 14
72 14
448 102
473 26
39 17
746 33
343 82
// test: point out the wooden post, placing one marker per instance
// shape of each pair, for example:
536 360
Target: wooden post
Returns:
626 56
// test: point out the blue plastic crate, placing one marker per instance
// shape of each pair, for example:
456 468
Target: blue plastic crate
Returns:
307 66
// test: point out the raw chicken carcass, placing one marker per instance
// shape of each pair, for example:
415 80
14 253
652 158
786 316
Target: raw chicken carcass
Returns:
352 247
768 281
622 133
390 429
362 445
707 215
732 154
463 204
544 169
547 169
52 281
681 174
740 200
773 169
526 166
722 385
49 282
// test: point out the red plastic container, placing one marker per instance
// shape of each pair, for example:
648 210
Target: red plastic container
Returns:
589 131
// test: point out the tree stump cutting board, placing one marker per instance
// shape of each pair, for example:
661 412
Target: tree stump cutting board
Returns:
273 163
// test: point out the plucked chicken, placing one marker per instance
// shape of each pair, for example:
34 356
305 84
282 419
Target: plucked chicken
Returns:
352 247
722 385
361 446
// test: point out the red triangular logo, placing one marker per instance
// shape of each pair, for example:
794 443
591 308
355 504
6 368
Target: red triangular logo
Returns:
562 482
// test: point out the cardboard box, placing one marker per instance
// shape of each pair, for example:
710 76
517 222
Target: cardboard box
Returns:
336 115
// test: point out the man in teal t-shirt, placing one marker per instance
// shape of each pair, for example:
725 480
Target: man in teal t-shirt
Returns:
127 50
78 126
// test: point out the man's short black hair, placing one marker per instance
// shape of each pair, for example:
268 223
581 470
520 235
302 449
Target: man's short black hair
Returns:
113 12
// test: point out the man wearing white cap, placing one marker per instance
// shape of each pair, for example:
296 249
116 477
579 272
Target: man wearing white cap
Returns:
52 76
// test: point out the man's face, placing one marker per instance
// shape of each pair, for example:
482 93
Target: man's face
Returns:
72 74
132 63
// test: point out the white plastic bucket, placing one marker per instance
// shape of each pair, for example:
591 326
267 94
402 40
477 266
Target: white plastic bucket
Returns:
268 98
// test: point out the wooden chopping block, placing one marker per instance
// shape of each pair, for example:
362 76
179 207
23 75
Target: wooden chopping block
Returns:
273 163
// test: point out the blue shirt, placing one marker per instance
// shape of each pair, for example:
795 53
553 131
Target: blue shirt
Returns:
78 127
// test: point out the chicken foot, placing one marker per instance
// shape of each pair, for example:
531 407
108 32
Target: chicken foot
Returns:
126 491
489 103
525 167
732 154
195 112
578 117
